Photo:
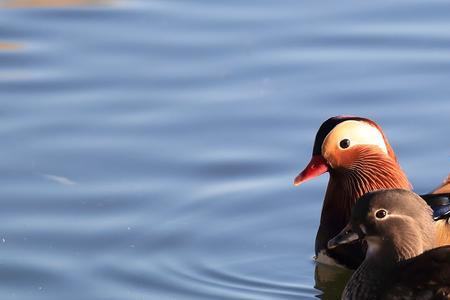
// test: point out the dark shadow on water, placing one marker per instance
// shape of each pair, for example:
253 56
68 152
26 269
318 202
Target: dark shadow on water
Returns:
331 280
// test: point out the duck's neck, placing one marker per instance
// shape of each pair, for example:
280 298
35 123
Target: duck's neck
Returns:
367 281
370 171
377 269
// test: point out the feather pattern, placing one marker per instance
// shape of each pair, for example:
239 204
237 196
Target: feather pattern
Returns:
400 264
368 170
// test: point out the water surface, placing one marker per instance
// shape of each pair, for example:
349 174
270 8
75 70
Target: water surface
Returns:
148 148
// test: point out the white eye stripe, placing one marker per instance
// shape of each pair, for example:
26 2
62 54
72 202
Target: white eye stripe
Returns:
397 216
393 215
358 132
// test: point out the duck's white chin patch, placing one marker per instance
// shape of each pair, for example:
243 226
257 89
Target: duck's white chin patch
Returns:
373 246
323 258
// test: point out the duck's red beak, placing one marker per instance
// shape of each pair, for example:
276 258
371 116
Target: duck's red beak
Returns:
317 166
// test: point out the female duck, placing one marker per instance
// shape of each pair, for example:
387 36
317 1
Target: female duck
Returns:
398 228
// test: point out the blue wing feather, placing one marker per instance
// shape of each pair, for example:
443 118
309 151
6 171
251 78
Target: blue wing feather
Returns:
441 212
440 203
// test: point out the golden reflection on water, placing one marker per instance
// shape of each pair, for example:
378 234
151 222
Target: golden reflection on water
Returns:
331 280
52 3
9 46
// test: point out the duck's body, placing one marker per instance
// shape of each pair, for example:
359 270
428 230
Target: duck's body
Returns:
401 262
359 158
426 276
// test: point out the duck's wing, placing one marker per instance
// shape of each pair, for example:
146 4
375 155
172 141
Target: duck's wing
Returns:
426 276
440 203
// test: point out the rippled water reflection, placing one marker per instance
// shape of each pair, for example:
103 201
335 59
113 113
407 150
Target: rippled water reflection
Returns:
52 3
149 147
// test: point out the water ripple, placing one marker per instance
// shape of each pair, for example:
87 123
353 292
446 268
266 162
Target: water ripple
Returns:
149 147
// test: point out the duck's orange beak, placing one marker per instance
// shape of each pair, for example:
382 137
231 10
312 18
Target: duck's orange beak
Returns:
317 166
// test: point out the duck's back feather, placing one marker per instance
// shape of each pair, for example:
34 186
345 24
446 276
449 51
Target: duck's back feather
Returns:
426 276
440 203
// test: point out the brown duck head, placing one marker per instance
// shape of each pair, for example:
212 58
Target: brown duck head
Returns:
396 224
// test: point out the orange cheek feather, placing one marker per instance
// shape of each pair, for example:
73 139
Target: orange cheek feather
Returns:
345 158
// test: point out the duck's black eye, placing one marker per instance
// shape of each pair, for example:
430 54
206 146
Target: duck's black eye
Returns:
345 143
380 214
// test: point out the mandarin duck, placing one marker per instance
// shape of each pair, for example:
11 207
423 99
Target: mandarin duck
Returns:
400 263
359 159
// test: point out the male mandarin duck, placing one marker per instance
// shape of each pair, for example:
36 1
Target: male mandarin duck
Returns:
400 262
359 159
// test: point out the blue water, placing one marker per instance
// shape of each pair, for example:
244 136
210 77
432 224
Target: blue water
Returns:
148 148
